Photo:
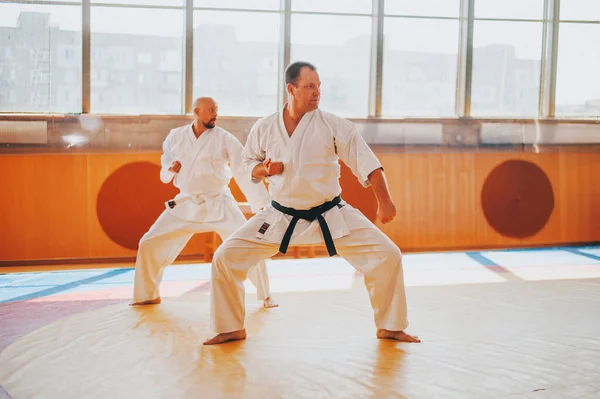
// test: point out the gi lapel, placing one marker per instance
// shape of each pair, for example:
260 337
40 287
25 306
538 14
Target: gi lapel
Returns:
187 163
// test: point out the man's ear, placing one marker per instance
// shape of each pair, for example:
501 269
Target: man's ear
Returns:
290 88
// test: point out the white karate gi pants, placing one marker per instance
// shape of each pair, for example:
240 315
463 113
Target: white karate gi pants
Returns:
167 237
366 248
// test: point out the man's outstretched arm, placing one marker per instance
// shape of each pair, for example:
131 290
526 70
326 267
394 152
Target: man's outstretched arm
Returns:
387 209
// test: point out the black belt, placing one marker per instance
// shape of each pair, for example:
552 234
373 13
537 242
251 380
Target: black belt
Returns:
310 215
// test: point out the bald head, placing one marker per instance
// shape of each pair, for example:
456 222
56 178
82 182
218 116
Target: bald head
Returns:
202 102
206 111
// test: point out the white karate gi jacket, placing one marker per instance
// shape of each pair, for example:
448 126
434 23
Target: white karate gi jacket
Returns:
207 165
311 169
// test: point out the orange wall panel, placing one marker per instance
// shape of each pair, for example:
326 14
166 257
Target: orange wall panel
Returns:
579 183
435 198
43 209
52 202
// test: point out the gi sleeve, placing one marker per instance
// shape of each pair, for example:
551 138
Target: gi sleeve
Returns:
354 151
167 158
253 154
256 194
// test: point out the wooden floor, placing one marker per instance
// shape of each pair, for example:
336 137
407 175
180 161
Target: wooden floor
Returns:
497 324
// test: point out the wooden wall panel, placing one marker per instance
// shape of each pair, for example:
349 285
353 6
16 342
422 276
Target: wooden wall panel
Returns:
579 184
43 209
50 209
435 198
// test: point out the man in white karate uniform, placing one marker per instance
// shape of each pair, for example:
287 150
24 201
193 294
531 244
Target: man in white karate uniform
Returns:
196 157
297 150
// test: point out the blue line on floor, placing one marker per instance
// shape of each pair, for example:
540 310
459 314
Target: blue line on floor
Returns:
491 265
64 287
578 252
478 257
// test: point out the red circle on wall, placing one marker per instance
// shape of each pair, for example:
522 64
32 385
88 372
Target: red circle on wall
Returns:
130 200
517 199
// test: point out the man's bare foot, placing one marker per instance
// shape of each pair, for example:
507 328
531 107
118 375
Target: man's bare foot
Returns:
269 303
397 336
148 302
226 337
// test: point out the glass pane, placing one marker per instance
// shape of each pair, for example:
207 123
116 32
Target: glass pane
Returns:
179 3
577 81
136 68
427 8
236 60
245 4
506 68
419 67
588 10
339 46
345 6
515 9
40 58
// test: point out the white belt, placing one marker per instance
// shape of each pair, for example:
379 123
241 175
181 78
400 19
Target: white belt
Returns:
196 199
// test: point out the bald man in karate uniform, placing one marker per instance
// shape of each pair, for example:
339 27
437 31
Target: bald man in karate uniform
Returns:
200 159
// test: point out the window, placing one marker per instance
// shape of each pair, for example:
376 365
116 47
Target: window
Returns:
334 6
580 10
39 77
8 96
6 54
420 60
172 78
240 4
68 54
144 58
510 9
137 56
117 47
68 95
507 58
578 80
39 99
31 39
340 49
232 54
38 56
143 2
170 60
423 8
71 77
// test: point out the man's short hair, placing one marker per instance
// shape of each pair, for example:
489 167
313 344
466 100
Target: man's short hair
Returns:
292 72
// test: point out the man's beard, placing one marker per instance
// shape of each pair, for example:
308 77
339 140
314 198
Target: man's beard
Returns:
210 124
